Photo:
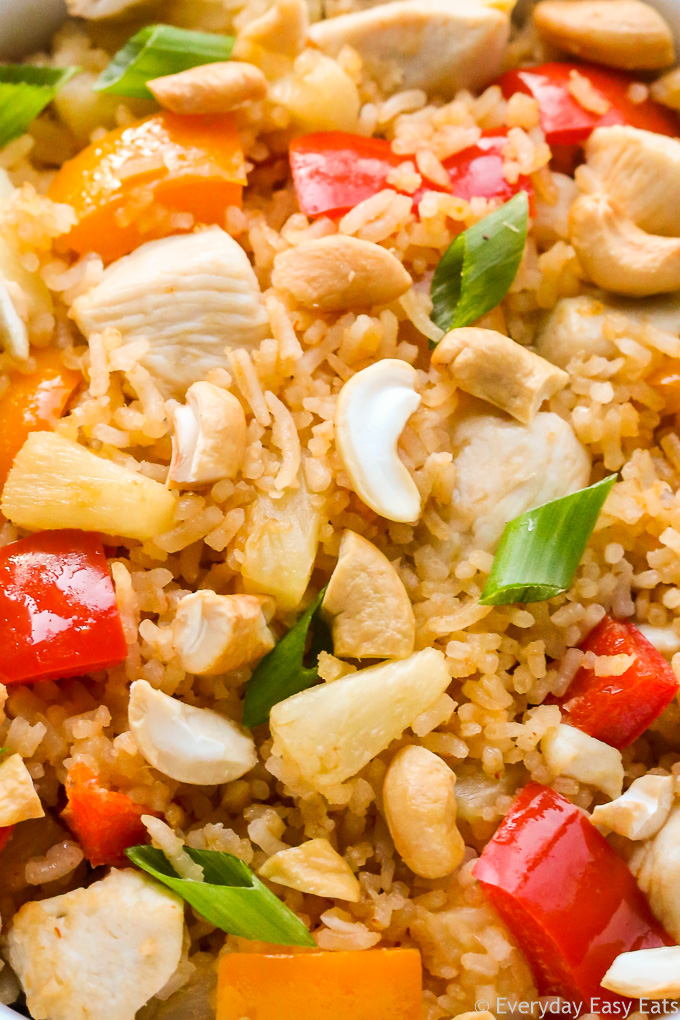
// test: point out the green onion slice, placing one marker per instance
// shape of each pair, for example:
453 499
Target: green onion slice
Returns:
156 51
480 265
231 897
540 550
282 672
25 91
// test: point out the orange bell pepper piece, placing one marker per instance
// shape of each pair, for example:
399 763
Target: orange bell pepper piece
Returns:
33 403
376 984
105 822
125 187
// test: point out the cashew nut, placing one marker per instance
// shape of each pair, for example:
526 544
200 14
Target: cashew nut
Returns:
313 867
18 798
646 973
210 88
641 811
420 807
617 255
372 409
619 33
189 744
217 633
209 440
338 272
372 616
496 369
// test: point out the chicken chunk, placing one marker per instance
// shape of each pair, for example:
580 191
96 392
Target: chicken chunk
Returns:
190 296
98 953
641 811
504 468
440 46
659 874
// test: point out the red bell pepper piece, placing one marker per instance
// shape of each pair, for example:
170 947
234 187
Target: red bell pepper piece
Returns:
570 901
618 709
477 172
105 822
5 833
58 612
565 121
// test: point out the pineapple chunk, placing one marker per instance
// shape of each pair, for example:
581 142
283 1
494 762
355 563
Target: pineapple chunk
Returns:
55 483
330 732
281 545
313 867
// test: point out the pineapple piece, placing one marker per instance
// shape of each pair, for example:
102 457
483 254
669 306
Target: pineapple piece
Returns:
55 483
328 733
313 867
280 548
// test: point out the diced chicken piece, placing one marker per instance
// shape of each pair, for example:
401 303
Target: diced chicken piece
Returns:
571 752
217 633
281 29
504 468
98 953
209 442
659 874
665 639
641 811
371 614
190 296
313 867
439 46
18 798
328 733
646 974
189 744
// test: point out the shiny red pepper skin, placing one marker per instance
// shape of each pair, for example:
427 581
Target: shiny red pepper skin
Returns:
105 822
569 900
618 709
565 121
58 612
5 834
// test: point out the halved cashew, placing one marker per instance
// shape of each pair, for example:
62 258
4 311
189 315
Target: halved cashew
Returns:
641 811
338 272
18 798
420 807
371 614
617 255
315 868
209 441
495 368
372 409
217 633
189 744
281 29
640 172
620 33
210 88
570 752
646 973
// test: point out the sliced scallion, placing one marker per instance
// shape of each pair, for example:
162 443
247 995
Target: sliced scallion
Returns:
231 897
282 672
540 550
25 91
156 51
477 270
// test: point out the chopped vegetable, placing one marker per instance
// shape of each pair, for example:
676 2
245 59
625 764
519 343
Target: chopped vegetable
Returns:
377 984
156 51
56 483
617 709
480 265
25 91
5 834
282 672
126 187
478 171
231 897
105 823
540 550
58 612
33 402
570 902
565 121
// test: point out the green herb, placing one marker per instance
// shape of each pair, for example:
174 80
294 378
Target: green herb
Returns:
282 672
156 51
539 551
25 91
230 897
476 272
